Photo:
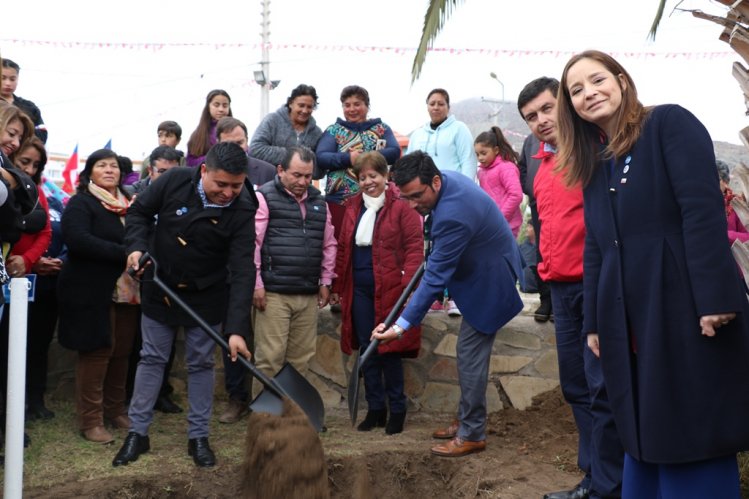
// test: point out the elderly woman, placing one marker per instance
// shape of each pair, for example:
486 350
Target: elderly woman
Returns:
378 231
291 125
344 141
98 311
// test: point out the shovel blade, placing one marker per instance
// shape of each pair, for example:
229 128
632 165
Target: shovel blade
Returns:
353 390
298 389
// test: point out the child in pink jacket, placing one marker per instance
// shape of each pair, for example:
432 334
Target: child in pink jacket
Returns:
499 175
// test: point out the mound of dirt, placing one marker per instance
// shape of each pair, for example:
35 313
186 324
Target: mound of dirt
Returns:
283 457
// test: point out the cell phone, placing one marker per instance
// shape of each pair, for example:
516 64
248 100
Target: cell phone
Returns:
381 143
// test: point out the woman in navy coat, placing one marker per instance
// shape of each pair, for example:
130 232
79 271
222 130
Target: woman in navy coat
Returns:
663 303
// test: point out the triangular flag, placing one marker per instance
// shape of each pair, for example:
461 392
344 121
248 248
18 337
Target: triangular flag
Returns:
108 145
71 167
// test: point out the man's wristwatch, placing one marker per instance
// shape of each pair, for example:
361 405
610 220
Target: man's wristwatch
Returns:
398 330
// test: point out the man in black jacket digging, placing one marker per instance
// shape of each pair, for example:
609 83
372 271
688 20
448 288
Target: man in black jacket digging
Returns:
203 242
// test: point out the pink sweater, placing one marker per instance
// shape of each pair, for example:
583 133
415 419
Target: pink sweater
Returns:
501 180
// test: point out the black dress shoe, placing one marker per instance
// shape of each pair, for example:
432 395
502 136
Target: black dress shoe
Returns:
579 492
166 405
134 446
201 452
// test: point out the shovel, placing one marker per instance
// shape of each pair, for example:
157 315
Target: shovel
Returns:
288 383
353 382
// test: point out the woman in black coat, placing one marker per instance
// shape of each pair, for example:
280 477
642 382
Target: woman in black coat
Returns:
664 306
98 302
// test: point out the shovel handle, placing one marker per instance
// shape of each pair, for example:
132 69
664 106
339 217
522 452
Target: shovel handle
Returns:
269 383
390 319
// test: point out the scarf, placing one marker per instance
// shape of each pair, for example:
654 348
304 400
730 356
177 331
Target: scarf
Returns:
117 204
366 224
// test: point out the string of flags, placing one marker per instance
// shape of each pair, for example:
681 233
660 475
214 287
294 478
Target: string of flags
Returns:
496 52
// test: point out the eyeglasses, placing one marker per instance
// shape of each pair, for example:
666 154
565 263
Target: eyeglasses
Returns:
416 196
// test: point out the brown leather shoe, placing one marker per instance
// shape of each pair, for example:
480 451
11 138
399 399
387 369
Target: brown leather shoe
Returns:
458 447
120 422
447 433
98 435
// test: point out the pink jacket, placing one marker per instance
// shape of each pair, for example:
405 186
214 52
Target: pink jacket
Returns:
501 180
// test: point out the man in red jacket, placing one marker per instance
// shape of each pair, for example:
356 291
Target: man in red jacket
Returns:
560 211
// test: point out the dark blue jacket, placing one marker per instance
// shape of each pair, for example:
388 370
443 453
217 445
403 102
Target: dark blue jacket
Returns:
656 260
474 255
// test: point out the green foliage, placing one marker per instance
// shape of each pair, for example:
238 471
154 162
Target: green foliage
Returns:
657 20
437 14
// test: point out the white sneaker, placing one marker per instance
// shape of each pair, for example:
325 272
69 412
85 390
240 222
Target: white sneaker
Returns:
452 309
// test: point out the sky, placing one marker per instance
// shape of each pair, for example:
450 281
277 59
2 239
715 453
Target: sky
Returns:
99 72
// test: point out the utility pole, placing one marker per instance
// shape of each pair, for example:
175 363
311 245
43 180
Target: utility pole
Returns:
265 60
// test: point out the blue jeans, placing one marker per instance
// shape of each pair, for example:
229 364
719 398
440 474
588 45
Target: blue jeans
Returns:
600 454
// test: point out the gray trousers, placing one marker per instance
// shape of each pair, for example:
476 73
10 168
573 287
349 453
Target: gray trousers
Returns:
157 343
474 351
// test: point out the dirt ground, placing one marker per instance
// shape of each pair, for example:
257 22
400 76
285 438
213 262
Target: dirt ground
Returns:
528 453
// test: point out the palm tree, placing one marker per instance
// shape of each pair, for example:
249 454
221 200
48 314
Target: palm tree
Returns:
439 11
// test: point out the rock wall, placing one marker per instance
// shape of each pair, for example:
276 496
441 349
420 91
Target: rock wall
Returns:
523 365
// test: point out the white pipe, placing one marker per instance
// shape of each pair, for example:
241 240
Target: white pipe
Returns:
16 396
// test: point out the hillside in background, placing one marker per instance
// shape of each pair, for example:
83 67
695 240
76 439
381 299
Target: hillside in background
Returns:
480 116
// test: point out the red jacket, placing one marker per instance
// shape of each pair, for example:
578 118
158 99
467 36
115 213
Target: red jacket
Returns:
397 251
560 210
33 246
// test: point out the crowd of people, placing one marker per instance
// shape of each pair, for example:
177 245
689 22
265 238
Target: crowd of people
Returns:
631 214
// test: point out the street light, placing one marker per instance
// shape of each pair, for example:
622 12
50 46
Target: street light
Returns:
494 76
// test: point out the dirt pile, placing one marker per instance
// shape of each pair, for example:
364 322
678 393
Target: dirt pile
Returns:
283 457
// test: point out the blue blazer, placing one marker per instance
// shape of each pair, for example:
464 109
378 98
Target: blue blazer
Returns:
474 255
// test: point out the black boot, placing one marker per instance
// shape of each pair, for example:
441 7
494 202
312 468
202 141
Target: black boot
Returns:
373 419
395 423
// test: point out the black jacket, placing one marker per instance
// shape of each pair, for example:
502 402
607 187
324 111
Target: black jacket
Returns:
33 112
96 259
204 254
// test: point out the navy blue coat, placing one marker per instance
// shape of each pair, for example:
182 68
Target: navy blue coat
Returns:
474 255
657 259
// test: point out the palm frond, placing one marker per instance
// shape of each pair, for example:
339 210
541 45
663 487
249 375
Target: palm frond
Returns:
657 20
437 14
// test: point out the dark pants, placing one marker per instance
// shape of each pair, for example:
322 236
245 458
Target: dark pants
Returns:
42 322
42 319
600 454
166 387
717 477
544 292
383 374
474 351
235 379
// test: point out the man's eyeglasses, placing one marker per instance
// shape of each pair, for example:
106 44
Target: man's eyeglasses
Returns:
415 196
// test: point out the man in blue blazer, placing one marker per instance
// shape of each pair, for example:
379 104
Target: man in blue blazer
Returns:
473 253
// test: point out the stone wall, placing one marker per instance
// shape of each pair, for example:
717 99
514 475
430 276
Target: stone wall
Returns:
523 365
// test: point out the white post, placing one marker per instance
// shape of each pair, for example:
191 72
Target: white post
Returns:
16 396
264 62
